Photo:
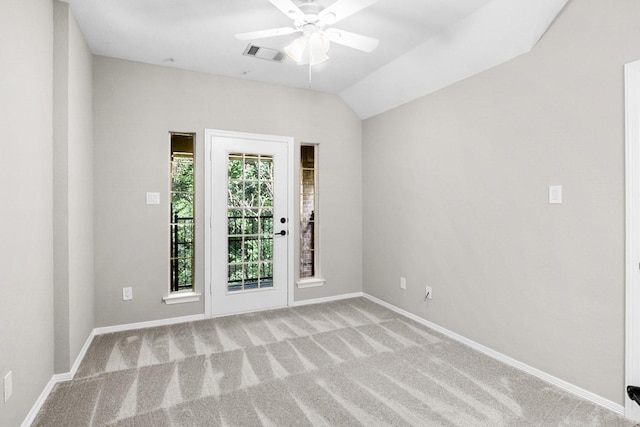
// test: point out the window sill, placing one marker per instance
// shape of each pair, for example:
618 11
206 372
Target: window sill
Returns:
181 297
313 282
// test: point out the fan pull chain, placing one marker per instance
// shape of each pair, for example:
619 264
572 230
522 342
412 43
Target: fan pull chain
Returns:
309 75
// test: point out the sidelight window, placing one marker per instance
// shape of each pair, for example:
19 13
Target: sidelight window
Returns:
182 222
308 212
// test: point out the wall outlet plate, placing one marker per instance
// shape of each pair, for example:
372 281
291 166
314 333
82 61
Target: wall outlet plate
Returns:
403 283
127 293
8 386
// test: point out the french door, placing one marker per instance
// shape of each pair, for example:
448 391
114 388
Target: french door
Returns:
249 222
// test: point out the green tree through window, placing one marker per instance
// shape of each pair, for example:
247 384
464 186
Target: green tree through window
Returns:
250 221
182 212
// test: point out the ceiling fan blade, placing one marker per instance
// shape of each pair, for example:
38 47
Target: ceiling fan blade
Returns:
343 9
273 32
288 7
353 40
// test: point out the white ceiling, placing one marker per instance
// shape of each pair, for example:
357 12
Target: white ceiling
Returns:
457 37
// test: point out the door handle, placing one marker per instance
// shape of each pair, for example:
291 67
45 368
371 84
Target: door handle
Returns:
282 233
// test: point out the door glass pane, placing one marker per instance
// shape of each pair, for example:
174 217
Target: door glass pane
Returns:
249 222
235 167
266 275
251 167
266 221
266 169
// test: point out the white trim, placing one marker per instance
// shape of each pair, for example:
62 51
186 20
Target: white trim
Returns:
632 211
300 303
573 389
67 376
313 282
33 413
148 324
592 397
55 379
181 297
208 250
292 220
326 299
81 354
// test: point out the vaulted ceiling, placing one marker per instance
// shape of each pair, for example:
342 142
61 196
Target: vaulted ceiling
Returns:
424 44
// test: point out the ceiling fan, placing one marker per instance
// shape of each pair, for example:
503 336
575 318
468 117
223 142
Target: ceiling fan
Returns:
313 20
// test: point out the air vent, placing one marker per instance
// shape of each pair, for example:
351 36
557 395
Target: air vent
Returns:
264 53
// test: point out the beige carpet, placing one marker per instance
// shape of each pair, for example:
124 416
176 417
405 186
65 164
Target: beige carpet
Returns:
345 363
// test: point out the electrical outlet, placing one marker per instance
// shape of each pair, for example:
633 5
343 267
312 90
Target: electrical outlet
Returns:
403 283
428 293
8 386
127 293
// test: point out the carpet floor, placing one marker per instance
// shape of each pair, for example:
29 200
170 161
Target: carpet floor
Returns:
344 363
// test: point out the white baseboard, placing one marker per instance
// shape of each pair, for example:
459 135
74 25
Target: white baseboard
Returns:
67 376
326 299
148 324
83 351
55 379
31 416
578 391
571 388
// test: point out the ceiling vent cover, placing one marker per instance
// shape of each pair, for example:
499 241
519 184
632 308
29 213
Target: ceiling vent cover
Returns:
264 53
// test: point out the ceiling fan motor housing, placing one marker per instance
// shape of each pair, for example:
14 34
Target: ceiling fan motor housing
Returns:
312 11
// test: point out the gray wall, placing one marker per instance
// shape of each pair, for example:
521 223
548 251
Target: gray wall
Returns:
455 194
136 106
456 197
26 309
73 188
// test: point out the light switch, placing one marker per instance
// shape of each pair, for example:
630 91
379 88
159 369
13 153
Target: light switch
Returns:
555 194
153 198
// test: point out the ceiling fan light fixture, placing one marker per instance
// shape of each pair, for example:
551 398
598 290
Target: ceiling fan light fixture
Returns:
296 49
309 49
318 47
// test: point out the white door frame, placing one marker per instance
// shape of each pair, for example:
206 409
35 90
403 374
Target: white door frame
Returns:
632 262
208 135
